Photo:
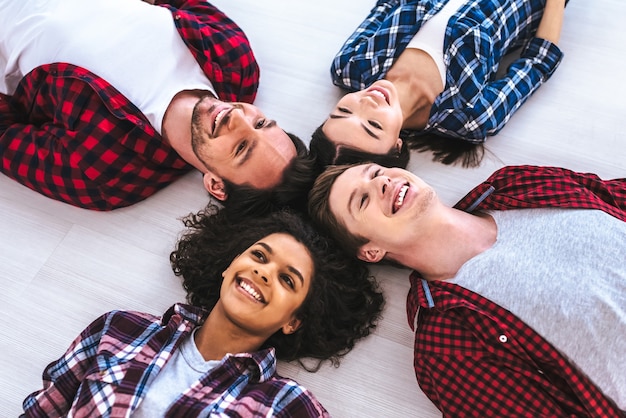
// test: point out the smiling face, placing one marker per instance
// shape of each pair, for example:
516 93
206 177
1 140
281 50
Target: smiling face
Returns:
265 285
369 120
235 141
386 206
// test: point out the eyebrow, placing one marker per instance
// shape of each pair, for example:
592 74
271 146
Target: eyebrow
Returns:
290 268
353 194
365 128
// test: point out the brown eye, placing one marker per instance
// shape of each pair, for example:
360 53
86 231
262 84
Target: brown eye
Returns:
288 280
258 255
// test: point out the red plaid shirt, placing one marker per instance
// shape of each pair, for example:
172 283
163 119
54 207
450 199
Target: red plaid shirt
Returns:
475 358
68 134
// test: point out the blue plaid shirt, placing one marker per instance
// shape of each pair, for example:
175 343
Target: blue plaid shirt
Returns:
108 369
474 103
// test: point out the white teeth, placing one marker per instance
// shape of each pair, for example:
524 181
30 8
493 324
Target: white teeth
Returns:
401 195
379 94
219 117
250 290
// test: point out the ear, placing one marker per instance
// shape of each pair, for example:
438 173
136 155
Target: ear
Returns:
399 145
215 186
370 253
292 326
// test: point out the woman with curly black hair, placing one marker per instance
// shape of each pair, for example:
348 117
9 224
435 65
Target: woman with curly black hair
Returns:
261 289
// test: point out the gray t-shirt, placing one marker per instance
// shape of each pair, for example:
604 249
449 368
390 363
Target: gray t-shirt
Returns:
563 272
183 370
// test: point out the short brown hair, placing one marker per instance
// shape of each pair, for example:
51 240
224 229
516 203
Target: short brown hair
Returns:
322 216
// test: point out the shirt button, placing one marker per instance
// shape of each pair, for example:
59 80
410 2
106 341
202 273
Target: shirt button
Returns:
503 338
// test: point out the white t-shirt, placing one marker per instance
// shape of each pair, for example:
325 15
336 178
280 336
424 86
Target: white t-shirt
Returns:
131 44
430 36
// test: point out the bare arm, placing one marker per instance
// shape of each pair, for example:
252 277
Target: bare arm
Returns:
551 21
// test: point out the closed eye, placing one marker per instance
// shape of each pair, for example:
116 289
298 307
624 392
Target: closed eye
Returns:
365 196
363 200
375 124
344 110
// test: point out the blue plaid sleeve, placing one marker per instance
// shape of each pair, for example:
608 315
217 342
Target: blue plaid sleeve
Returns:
472 110
369 52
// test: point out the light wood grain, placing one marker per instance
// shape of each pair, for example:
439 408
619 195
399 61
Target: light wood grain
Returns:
62 266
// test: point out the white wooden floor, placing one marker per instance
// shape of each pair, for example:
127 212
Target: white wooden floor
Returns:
60 266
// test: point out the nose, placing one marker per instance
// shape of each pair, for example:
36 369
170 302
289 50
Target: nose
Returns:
263 275
381 185
237 119
367 100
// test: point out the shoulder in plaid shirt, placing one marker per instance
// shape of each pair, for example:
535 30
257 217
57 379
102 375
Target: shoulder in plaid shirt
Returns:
474 104
475 358
108 369
69 135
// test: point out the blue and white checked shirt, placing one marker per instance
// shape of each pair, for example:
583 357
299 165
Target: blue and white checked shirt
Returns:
109 367
474 104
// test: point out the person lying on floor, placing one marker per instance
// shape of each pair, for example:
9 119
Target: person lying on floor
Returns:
424 75
518 292
260 290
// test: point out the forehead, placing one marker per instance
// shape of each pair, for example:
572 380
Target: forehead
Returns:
344 189
285 247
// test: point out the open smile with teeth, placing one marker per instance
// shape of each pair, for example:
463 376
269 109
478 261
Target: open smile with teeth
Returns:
379 94
250 290
397 204
218 119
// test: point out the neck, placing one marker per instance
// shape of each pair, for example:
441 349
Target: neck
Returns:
177 125
417 80
218 336
439 253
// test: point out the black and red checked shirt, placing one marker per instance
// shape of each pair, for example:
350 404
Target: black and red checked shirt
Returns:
70 135
474 358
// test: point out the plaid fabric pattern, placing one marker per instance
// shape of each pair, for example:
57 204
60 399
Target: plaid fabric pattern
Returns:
108 369
474 358
474 104
71 136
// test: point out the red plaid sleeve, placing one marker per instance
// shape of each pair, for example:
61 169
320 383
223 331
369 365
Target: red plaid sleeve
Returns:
219 45
518 187
71 136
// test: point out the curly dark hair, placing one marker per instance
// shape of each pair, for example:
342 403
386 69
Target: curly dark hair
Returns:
297 179
327 153
342 306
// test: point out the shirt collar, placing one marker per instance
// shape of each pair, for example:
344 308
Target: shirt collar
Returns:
262 363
